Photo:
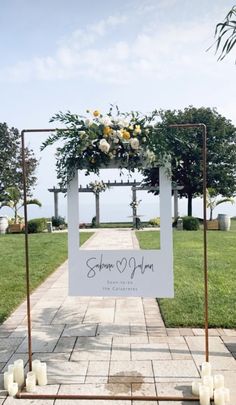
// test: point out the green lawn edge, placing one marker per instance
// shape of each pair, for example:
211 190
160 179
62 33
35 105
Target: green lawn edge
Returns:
47 251
186 309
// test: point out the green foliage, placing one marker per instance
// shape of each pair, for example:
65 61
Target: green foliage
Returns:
13 200
37 225
124 140
10 163
186 145
225 34
190 224
213 202
57 222
154 221
94 222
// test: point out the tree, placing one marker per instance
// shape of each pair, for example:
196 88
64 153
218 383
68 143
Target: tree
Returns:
15 202
186 152
225 33
213 202
10 163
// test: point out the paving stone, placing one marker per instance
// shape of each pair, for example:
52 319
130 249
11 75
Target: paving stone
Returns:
44 339
138 330
144 390
65 345
7 347
113 330
174 370
97 372
80 330
186 332
131 372
51 356
41 315
67 372
99 315
67 317
152 351
179 352
90 348
220 357
20 331
117 340
14 357
120 352
230 332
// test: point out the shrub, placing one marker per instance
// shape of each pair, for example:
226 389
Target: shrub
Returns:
190 223
37 225
154 221
57 222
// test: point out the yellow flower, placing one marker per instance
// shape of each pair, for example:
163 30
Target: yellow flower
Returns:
125 134
131 127
107 131
137 129
96 113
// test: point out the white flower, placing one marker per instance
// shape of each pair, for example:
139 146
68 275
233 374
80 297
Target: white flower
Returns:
88 122
106 121
104 146
134 143
123 123
150 156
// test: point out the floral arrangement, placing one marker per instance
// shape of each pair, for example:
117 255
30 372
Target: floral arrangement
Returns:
115 140
135 204
98 186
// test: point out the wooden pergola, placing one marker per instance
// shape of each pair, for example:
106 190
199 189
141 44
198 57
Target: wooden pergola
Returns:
135 186
88 189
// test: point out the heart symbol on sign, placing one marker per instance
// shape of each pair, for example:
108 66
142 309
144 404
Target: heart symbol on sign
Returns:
121 264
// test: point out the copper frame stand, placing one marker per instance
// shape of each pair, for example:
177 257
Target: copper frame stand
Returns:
26 395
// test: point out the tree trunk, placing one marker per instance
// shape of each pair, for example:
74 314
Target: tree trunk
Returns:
190 198
211 214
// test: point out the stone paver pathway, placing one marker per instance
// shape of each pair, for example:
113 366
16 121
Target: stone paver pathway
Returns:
110 345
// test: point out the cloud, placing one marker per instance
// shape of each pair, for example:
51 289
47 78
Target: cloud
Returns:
98 53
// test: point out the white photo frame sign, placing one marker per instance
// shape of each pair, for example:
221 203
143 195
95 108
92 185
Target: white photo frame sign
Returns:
138 273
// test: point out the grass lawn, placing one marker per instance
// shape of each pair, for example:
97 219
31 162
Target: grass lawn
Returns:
46 253
186 309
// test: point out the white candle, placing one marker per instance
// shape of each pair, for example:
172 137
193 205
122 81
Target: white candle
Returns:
42 374
12 389
36 364
8 379
219 381
195 388
11 368
204 395
208 382
30 383
226 394
219 396
205 369
19 376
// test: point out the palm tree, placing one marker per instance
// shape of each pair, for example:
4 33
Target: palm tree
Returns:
212 201
15 202
225 33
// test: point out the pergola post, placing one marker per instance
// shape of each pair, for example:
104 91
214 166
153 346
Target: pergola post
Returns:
55 204
176 208
134 200
97 209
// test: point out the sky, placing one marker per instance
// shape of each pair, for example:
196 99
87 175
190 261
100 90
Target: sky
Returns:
62 55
